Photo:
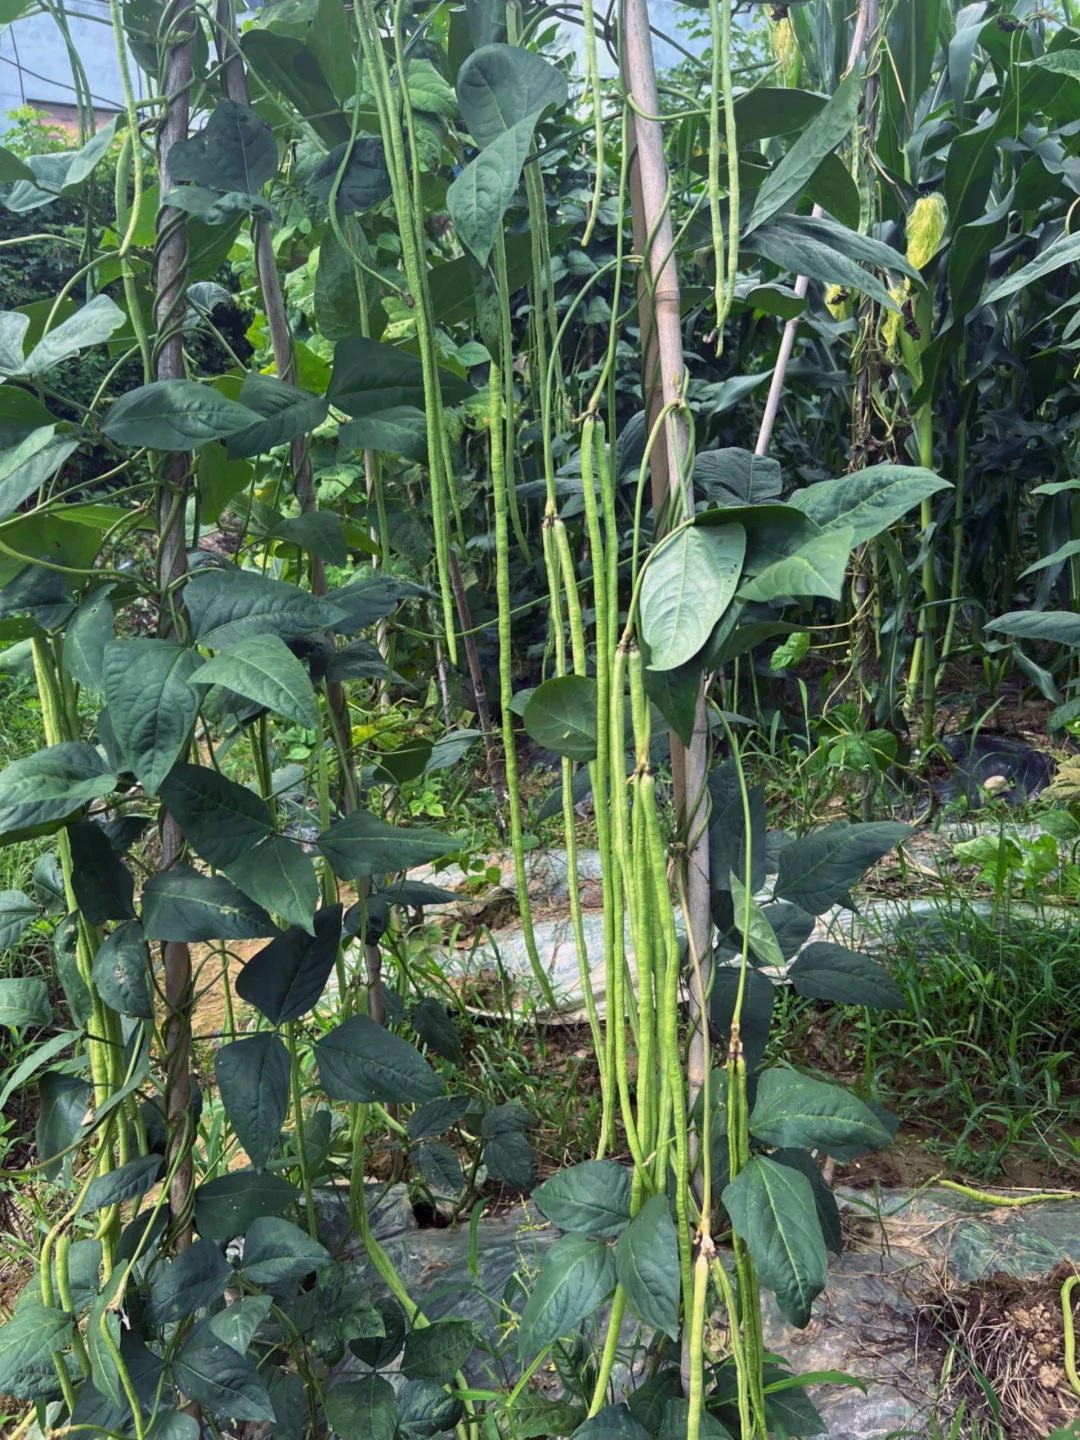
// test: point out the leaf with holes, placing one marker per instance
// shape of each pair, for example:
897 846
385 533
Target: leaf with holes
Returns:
121 972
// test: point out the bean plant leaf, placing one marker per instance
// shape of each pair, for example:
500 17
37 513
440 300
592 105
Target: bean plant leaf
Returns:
480 196
174 415
561 716
439 1167
592 1198
287 978
500 86
278 875
817 567
868 501
363 1409
277 1253
371 377
62 1110
818 870
647 1266
17 913
759 993
33 1331
88 633
228 1206
288 412
830 972
30 464
362 844
795 1110
613 1422
151 705
263 669
363 1063
194 1278
253 1081
91 325
40 792
235 150
577 1276
237 1323
436 1029
438 1351
121 972
220 819
686 588
365 179
183 905
24 1003
772 1209
508 1157
227 606
828 1211
214 1375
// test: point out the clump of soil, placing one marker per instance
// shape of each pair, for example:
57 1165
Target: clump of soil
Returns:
1005 1336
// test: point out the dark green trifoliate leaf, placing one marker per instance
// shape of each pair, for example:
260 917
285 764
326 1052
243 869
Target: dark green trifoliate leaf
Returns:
576 1277
437 1352
195 1278
286 979
253 1080
17 912
817 567
560 716
646 1403
181 904
152 707
379 1351
219 818
508 1157
263 669
647 1266
128 1182
361 1062
227 1206
772 1209
219 480
818 870
592 1198
480 196
237 1323
224 1382
439 1167
365 181
825 132
830 972
121 972
288 412
24 1002
279 876
174 415
363 1409
436 1116
737 477
614 1422
236 150
30 464
277 1252
365 601
320 531
362 844
828 1212
756 1015
506 1120
687 585
343 1308
795 1111
499 86
227 606
91 325
104 887
370 378
40 792
87 635
535 1416
33 1331
436 1029
868 501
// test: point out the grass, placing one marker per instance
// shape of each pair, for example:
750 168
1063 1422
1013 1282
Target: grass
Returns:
21 733
986 1062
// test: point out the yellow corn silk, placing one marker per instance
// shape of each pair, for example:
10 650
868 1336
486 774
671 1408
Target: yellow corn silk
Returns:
786 51
891 328
926 225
